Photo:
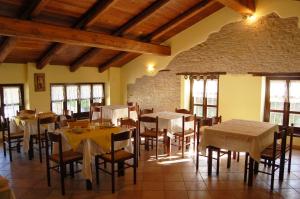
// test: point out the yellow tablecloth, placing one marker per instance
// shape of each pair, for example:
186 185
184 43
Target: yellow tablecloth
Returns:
101 136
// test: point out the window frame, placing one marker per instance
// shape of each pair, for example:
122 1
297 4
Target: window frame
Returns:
204 105
78 95
22 102
286 108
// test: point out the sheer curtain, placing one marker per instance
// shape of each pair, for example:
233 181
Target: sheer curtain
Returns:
198 94
278 95
57 98
85 95
72 98
98 93
211 89
11 100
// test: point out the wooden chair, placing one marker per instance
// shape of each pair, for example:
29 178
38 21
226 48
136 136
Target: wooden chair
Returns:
96 109
150 133
60 159
41 137
128 123
11 140
269 155
117 156
131 109
146 111
62 120
184 111
185 135
27 111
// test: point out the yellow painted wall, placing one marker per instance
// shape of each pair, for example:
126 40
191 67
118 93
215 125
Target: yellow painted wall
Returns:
24 73
240 97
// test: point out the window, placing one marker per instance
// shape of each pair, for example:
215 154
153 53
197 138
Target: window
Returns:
204 94
75 97
11 99
282 103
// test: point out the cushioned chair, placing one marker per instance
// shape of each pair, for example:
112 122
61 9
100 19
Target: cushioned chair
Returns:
119 156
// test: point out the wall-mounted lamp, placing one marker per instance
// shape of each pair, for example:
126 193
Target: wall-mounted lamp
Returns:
150 67
251 18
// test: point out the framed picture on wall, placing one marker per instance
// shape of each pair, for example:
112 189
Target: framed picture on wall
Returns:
39 82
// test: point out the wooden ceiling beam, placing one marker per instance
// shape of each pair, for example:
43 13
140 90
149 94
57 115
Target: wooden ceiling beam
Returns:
162 30
52 33
87 19
245 7
10 42
133 22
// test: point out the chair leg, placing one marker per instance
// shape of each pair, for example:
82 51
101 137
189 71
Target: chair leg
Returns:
197 160
152 143
40 151
290 160
238 157
246 167
18 147
218 161
97 169
229 160
72 169
134 169
273 174
182 147
4 147
48 173
112 177
62 178
256 166
156 149
9 151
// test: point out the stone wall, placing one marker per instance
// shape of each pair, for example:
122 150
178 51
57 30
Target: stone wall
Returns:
271 44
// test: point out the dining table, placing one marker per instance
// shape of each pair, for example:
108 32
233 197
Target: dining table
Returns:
28 123
114 113
91 141
238 135
170 122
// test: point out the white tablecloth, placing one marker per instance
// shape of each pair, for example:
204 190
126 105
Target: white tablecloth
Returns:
239 135
89 149
115 112
29 126
168 120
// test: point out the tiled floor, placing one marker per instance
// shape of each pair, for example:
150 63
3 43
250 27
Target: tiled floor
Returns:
168 178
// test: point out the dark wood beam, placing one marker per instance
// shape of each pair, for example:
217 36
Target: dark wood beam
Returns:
245 8
133 22
10 42
276 74
195 10
83 58
7 46
87 18
38 7
47 56
162 30
52 33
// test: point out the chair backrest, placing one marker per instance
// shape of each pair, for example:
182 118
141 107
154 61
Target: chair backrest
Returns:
130 104
128 123
146 119
47 120
68 114
3 124
206 121
216 120
95 109
190 118
27 111
115 137
78 123
182 110
51 138
146 111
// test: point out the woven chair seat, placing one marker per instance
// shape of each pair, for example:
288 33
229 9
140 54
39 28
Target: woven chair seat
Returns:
120 155
268 153
151 133
67 156
15 135
187 133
